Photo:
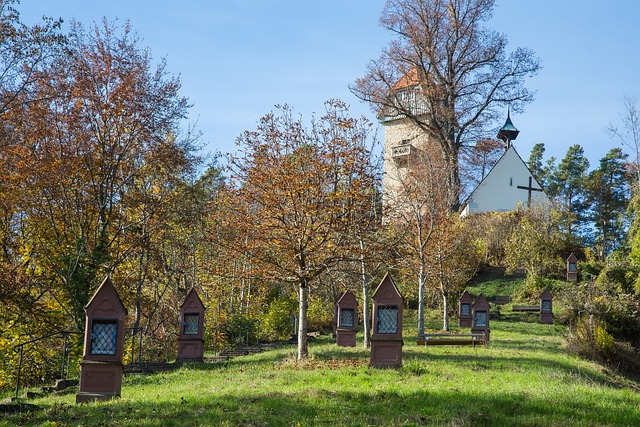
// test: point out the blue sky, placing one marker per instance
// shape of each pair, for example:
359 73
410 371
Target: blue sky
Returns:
239 58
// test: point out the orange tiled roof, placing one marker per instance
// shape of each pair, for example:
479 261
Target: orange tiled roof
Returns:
408 80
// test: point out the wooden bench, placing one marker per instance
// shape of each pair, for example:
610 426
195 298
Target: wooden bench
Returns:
526 308
498 300
451 339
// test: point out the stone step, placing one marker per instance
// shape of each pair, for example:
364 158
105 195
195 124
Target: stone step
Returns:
149 368
213 359
234 353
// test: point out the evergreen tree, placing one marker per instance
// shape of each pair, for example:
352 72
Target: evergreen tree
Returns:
568 184
608 197
539 171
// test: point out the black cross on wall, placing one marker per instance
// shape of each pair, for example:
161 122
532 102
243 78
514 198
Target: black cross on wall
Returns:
530 189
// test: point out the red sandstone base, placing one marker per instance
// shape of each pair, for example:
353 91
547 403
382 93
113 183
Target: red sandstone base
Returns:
99 381
346 338
386 354
190 350
465 322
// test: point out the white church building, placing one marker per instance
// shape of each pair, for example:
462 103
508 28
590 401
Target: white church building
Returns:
509 184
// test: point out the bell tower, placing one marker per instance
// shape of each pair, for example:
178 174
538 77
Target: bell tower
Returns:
508 132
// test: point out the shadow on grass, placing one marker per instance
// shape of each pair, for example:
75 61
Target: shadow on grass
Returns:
379 406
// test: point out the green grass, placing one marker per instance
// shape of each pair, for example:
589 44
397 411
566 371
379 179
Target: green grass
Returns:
493 283
525 377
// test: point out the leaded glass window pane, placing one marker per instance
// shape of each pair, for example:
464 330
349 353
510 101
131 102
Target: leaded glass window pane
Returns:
465 309
104 335
545 305
481 318
191 324
573 267
347 317
388 319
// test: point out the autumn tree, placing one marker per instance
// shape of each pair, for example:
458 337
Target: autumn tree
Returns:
299 193
453 257
456 70
24 52
27 308
102 155
534 244
416 205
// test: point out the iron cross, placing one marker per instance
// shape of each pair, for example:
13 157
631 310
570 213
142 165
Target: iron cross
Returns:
530 188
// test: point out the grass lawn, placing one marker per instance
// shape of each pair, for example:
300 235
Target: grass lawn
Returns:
524 377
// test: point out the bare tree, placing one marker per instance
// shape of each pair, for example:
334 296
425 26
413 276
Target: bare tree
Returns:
478 160
24 51
629 132
445 71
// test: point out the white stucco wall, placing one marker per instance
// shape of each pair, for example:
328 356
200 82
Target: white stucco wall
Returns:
499 191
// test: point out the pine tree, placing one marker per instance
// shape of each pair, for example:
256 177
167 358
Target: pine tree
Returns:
568 183
608 197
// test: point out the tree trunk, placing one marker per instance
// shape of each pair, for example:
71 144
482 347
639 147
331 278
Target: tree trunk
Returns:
365 315
454 184
365 298
421 281
445 312
303 350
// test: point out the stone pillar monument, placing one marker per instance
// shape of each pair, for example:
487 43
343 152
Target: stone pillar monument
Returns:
464 310
347 320
481 317
191 338
546 315
386 337
572 268
101 367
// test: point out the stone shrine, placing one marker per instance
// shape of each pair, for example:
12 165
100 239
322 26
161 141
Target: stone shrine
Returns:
480 313
101 367
464 310
546 307
347 320
386 337
572 268
191 338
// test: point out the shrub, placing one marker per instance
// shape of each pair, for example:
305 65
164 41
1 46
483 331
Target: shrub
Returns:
320 316
620 275
603 339
240 329
276 323
590 339
610 332
626 358
533 286
602 300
